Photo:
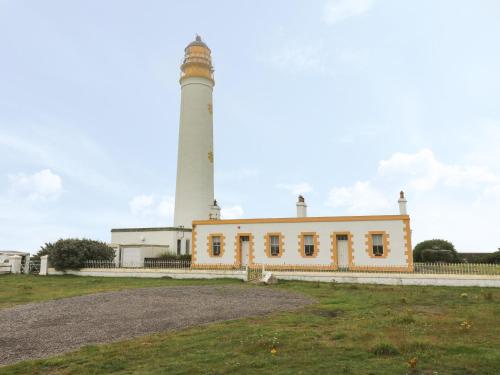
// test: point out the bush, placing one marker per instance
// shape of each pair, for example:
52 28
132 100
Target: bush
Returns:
72 253
432 248
493 258
168 256
433 256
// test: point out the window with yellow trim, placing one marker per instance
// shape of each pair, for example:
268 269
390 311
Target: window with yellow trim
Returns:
216 245
378 245
309 245
274 245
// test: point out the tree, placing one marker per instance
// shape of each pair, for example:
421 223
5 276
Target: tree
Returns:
491 258
72 253
436 250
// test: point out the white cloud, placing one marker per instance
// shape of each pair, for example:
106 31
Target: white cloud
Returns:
491 194
233 212
360 198
423 171
150 205
141 204
448 201
43 185
63 148
166 207
339 10
296 189
298 58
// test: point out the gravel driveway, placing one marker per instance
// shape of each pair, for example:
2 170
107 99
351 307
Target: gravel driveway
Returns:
38 330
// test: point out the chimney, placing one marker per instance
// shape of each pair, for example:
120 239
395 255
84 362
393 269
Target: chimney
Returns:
214 211
402 203
301 207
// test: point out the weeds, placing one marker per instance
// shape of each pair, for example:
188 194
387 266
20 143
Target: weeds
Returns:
384 349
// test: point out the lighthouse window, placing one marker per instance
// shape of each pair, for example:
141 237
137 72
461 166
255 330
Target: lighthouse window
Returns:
216 245
308 245
378 245
274 242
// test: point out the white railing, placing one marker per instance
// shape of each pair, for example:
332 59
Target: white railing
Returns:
158 264
418 268
167 264
457 268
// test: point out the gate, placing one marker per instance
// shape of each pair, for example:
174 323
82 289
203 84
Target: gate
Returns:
33 266
255 273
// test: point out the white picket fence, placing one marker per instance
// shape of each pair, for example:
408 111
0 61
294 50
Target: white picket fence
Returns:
418 268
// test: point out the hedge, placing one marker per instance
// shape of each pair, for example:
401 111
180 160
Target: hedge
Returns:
431 248
72 253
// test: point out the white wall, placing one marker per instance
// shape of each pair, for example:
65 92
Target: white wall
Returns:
155 273
146 237
291 256
152 237
392 279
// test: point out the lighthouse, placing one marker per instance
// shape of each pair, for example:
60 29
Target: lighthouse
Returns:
194 192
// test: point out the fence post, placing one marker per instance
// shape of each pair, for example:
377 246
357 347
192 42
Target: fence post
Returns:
44 265
27 264
15 263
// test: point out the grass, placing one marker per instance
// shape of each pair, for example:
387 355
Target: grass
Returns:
16 289
353 329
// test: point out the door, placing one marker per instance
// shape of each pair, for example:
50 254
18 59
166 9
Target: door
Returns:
132 257
244 248
342 250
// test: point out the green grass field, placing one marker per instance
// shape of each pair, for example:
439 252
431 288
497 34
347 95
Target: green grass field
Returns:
353 329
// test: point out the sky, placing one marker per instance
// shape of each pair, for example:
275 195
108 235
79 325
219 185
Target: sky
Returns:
344 101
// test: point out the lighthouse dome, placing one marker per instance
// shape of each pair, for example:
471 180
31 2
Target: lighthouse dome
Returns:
197 42
197 61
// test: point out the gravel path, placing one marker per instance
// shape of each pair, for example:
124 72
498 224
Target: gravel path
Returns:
38 330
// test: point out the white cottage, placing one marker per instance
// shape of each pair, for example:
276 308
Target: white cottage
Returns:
307 243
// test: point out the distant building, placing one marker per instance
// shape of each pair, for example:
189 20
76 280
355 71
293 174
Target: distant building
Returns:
6 254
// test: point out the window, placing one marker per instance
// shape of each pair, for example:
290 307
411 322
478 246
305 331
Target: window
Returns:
274 244
178 247
309 245
188 246
342 237
378 244
216 246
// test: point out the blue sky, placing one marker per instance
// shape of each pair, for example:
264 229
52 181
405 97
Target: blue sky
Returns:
346 102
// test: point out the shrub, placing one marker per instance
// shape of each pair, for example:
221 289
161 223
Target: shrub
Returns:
72 253
169 256
432 250
493 258
433 256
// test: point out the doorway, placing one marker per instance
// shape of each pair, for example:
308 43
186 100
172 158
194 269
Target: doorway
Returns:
244 248
343 251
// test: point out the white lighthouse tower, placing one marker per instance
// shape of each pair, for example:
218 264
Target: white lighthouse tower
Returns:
194 193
